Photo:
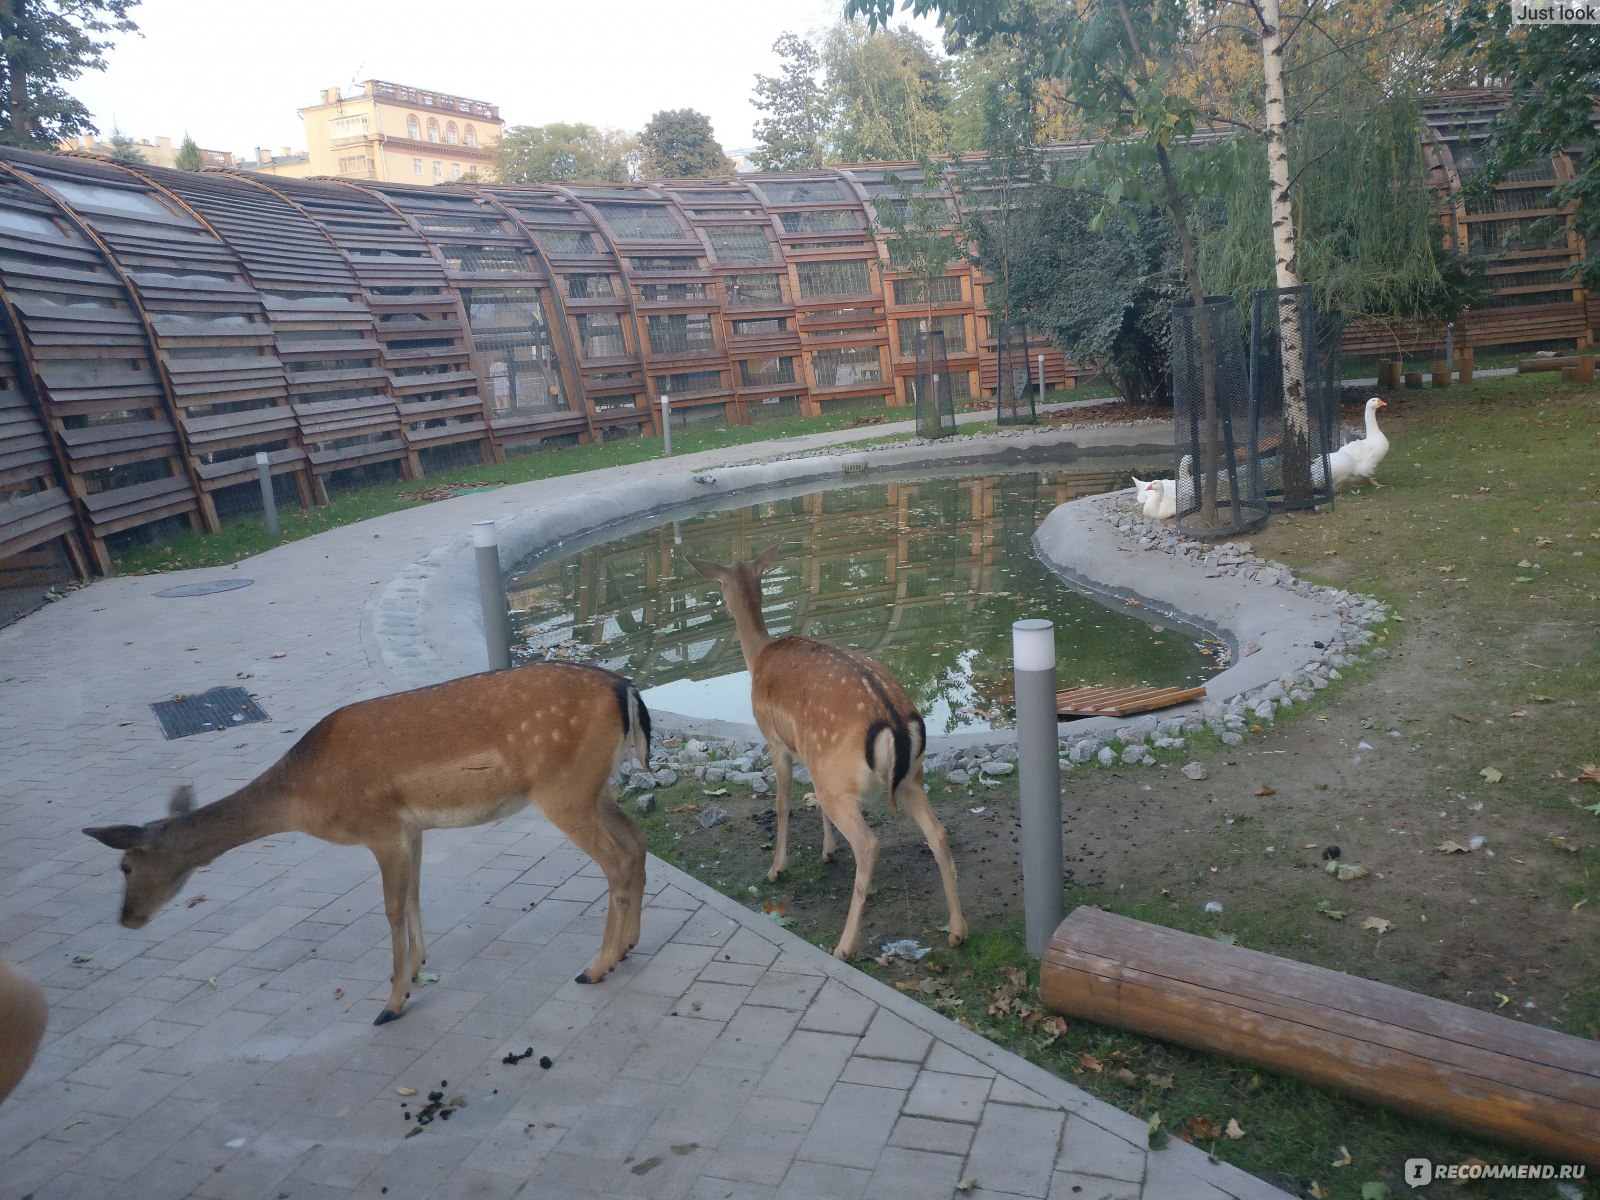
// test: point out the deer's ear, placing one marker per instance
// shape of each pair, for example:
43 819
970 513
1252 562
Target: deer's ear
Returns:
709 569
768 558
118 837
182 801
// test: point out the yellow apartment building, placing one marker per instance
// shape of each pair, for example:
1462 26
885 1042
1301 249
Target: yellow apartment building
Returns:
391 133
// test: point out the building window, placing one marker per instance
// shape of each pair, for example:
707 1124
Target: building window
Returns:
601 335
954 329
847 366
754 291
739 243
754 372
760 326
680 333
834 278
450 134
455 170
413 127
438 169
471 136
585 287
915 291
416 166
355 164
672 291
690 382
348 127
433 130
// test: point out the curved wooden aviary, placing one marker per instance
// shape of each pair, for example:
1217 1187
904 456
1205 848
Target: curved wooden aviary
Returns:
160 328
1437 1060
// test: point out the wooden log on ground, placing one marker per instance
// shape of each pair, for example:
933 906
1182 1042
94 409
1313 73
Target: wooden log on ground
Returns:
1437 1060
1466 365
1413 379
1561 362
1441 373
1580 372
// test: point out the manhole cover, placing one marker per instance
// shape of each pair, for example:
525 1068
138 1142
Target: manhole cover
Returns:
205 589
207 712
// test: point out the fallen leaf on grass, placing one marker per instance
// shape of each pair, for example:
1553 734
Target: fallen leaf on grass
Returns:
1155 1136
1587 773
1561 843
1375 1189
775 906
1454 848
1378 923
684 808
1125 1075
1090 1062
1344 1159
1204 1129
1329 911
1264 790
1234 1131
1315 1191
1503 998
1491 775
1163 1083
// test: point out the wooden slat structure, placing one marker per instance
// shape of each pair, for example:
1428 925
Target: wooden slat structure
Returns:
1121 702
168 325
1428 1057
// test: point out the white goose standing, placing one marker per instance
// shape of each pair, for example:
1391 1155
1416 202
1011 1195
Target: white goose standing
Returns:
1359 459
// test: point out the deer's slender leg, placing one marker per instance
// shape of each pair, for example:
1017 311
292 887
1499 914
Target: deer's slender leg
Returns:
913 793
846 810
419 953
590 835
783 764
394 866
630 842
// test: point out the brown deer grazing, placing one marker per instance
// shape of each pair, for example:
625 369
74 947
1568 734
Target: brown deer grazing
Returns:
379 772
853 726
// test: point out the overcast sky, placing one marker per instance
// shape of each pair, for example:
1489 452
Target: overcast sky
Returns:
232 74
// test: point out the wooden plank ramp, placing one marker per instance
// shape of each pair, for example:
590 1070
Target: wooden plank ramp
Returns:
1121 702
1441 1061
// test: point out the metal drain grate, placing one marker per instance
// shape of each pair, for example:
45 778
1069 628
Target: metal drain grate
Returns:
207 712
205 589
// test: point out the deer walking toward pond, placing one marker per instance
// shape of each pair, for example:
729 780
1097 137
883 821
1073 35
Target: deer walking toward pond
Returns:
853 726
379 772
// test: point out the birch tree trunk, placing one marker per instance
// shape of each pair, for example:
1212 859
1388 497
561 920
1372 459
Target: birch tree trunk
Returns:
1296 448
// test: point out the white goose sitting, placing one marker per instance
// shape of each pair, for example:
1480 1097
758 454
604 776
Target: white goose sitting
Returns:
1160 499
1359 459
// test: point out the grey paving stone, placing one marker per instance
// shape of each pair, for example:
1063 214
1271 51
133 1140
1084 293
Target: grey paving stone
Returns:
839 1009
808 1066
823 1181
1087 1149
924 1133
1014 1149
947 1097
1066 1186
892 1036
904 1174
853 1126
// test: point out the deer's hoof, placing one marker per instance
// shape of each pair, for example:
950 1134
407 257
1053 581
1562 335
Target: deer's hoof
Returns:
583 977
385 1017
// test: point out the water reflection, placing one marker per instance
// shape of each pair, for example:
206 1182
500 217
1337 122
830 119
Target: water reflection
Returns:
925 575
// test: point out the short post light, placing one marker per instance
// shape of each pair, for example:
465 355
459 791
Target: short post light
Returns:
269 502
1033 649
492 595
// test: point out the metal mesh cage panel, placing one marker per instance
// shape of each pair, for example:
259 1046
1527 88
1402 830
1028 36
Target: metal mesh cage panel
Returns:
1217 472
1293 419
936 403
1014 377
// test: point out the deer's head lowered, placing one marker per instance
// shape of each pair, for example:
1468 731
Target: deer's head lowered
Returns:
153 873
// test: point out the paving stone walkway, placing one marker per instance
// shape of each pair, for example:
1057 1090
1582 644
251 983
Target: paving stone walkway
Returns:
226 1049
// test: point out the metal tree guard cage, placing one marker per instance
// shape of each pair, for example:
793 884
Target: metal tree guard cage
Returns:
1293 450
936 400
1212 442
1014 396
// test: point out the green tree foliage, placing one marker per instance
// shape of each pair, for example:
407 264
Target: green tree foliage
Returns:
189 157
1103 294
44 46
1369 239
1553 74
794 133
679 144
890 92
124 147
562 153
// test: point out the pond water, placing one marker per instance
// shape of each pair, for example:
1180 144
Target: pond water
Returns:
924 574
